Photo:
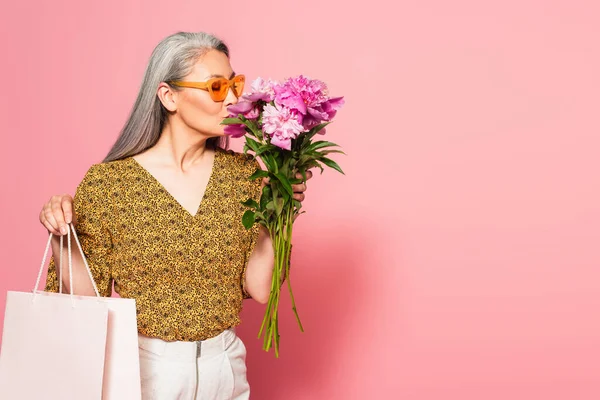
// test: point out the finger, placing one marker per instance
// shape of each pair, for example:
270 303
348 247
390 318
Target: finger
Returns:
67 208
47 224
59 217
51 220
309 175
299 196
50 228
299 188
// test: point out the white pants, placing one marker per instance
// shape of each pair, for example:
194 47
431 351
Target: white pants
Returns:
212 369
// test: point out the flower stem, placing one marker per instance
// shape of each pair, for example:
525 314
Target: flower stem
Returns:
281 237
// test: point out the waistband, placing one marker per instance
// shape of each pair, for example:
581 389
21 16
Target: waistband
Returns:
189 350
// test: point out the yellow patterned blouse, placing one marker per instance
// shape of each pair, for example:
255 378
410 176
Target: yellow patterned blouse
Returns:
186 272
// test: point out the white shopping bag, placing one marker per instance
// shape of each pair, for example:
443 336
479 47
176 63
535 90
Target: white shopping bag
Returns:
63 346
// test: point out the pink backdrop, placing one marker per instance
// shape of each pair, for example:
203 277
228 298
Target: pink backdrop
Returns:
457 259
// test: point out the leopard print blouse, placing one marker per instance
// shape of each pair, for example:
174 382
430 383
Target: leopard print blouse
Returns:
186 272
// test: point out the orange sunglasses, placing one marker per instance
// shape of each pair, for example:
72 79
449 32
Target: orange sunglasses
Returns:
217 87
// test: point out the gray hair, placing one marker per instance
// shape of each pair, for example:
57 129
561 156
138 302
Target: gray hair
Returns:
172 59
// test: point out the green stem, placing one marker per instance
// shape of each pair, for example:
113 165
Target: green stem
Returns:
273 295
281 237
287 272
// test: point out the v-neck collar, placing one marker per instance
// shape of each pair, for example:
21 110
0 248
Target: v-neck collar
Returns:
209 185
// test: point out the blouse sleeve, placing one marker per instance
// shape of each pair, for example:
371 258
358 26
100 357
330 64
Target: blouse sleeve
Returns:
90 207
255 192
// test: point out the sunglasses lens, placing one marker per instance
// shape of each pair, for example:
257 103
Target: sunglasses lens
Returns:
238 85
219 89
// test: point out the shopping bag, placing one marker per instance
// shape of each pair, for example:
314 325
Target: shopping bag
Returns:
121 380
53 344
122 361
120 371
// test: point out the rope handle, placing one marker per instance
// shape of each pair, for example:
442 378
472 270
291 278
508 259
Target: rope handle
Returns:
37 282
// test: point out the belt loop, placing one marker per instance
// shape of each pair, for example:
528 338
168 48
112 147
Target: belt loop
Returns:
198 348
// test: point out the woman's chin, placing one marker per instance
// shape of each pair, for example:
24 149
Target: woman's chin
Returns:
220 131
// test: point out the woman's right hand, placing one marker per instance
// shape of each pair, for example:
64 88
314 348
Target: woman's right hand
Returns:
57 213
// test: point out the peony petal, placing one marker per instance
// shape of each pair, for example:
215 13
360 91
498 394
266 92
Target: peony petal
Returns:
331 107
241 107
293 102
235 130
309 121
336 103
318 115
254 97
253 114
282 143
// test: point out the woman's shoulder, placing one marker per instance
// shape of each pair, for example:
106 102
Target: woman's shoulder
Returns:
103 174
245 162
108 168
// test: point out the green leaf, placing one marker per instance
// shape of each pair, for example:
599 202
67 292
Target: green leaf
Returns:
231 121
265 197
248 219
324 152
314 131
278 205
332 164
320 144
298 143
263 149
254 128
305 158
271 163
319 127
313 163
267 162
259 173
253 144
285 183
250 203
285 195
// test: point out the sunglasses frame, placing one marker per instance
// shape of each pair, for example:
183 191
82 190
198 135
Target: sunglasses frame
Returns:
207 85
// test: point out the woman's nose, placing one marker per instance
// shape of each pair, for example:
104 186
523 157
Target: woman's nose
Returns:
231 97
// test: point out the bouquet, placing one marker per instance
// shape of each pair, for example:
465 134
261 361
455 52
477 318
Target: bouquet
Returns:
279 121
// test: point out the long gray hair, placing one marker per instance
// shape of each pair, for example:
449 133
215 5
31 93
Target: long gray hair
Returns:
172 59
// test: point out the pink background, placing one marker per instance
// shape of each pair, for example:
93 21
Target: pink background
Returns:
457 259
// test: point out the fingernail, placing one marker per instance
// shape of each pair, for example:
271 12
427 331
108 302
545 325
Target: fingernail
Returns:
63 230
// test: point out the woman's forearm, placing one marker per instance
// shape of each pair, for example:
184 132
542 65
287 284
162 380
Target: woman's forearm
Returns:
259 272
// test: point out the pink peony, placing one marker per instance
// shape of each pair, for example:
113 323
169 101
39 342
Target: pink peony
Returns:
246 108
261 90
288 96
322 113
282 125
308 98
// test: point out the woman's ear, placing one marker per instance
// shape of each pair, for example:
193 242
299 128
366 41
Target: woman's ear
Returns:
167 96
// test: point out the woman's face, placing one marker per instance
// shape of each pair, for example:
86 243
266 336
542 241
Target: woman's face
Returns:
195 106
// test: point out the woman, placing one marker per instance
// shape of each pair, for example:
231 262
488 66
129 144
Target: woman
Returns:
160 218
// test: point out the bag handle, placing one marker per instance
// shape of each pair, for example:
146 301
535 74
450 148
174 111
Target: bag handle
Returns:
37 282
